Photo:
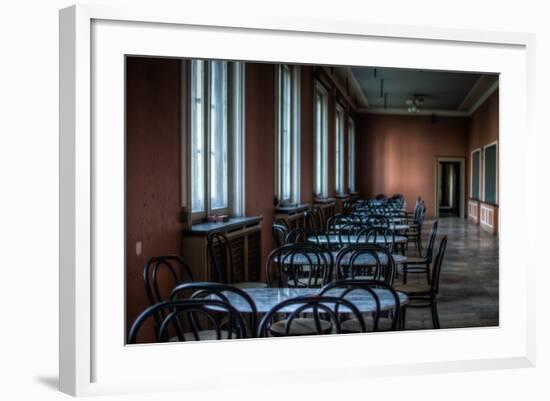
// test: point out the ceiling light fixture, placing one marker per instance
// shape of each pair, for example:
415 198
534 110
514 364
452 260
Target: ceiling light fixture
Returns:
414 102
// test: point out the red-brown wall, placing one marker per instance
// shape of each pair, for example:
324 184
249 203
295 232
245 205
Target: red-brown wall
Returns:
260 147
153 184
396 153
483 130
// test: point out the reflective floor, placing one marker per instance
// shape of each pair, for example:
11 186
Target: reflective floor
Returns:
468 294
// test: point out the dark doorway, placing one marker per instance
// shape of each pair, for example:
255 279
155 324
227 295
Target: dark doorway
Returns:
449 189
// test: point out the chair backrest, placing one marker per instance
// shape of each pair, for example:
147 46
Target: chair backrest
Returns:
306 235
319 308
358 260
383 295
299 265
431 241
377 220
381 236
436 268
279 233
181 314
281 222
166 272
223 292
221 257
314 219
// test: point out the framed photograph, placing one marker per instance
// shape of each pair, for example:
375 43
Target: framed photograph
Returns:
261 197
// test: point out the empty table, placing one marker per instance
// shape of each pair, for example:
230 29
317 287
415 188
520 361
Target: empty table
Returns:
266 298
354 239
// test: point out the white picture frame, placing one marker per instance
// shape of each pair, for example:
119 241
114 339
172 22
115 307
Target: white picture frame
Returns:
93 41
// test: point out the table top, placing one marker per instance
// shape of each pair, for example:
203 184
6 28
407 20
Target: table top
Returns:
363 259
266 298
352 239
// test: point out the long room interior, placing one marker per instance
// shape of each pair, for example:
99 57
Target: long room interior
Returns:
280 199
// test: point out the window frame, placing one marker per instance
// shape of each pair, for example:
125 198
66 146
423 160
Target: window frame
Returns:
294 135
320 143
235 139
485 147
339 149
351 155
479 173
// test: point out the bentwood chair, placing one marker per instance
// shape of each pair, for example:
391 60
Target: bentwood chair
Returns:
279 233
425 295
308 315
299 265
421 264
381 236
414 233
221 256
160 275
184 319
314 219
223 292
384 297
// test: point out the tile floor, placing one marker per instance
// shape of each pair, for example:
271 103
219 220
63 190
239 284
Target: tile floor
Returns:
468 294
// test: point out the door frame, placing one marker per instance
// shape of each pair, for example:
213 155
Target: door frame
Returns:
462 161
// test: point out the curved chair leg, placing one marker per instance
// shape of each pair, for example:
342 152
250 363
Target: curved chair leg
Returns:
435 316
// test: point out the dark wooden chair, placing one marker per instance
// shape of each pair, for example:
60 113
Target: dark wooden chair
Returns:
421 264
218 291
299 265
221 256
414 233
160 275
391 315
311 315
279 233
425 295
183 321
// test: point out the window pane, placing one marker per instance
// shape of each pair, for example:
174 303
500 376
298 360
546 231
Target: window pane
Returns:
286 147
491 174
197 136
321 151
318 143
218 135
475 175
351 156
339 149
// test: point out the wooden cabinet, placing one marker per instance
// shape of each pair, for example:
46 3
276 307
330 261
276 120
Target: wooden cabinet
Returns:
244 234
294 216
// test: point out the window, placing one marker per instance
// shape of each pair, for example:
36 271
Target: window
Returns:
288 141
490 171
339 150
321 141
216 130
476 165
351 155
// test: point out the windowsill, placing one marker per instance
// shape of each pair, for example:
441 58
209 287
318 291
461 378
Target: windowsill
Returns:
234 223
324 200
488 203
291 209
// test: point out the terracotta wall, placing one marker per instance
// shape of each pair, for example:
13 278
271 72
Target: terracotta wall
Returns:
152 169
483 130
483 127
260 147
396 153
